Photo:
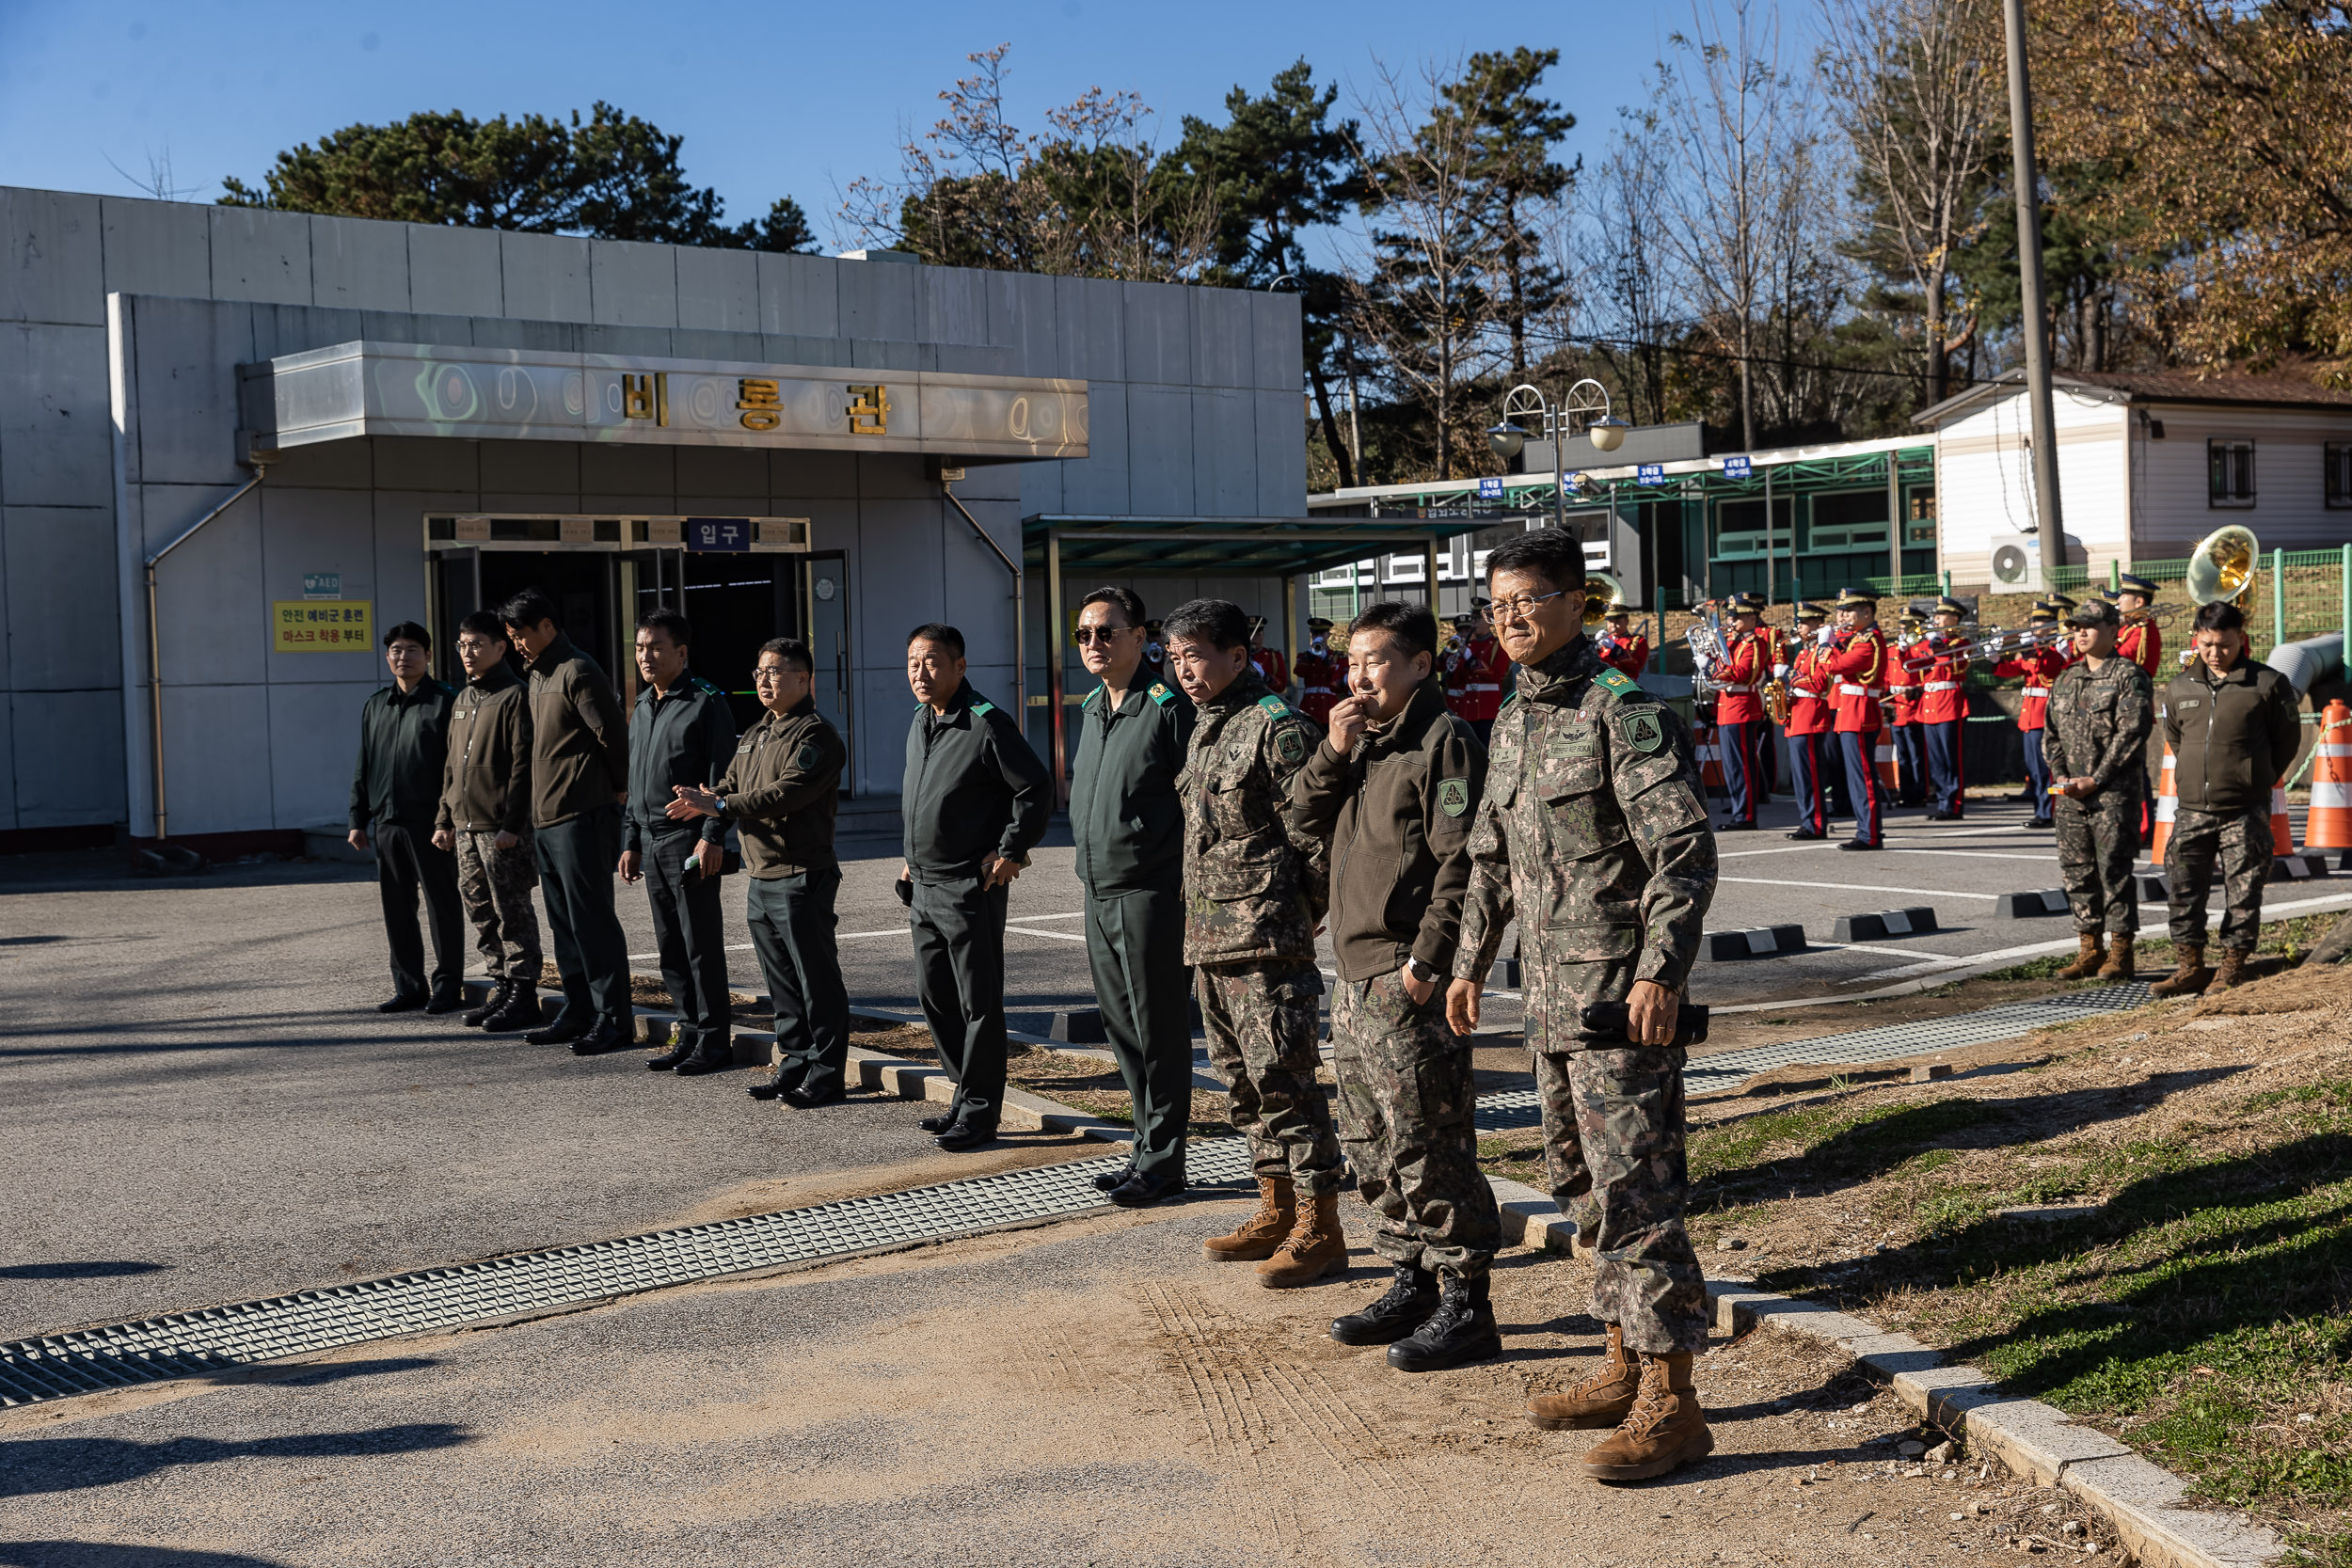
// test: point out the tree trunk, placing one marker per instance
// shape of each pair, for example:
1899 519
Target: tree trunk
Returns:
1332 428
1747 386
1513 264
1936 335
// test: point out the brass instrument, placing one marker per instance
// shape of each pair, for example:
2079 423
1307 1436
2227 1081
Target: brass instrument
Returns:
1778 703
2155 615
1602 593
1708 652
2222 566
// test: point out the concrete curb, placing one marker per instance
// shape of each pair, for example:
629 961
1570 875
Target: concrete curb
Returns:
2141 1500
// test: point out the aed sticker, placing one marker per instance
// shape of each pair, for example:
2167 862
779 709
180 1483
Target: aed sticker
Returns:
1454 797
1290 745
1645 733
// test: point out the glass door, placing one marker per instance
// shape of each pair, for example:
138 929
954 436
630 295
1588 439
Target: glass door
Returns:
456 579
826 605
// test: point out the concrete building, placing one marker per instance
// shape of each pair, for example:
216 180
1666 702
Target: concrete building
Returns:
839 448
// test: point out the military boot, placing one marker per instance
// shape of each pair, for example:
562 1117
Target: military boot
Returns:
1314 1247
1460 1331
2236 967
1665 1428
474 1017
2189 978
1262 1232
2087 958
2119 964
1601 1399
1411 1298
522 1010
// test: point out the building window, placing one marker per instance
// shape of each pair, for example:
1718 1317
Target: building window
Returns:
2230 473
2338 460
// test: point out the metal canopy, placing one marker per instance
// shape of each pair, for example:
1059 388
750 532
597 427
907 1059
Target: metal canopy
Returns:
1227 547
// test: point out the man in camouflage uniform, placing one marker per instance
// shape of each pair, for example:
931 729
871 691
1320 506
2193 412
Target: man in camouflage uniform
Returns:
1391 793
485 821
1252 896
1594 837
2095 745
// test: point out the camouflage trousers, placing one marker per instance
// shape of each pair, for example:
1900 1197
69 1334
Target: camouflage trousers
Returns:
2098 839
1260 1019
1405 1118
2240 841
496 886
1614 1136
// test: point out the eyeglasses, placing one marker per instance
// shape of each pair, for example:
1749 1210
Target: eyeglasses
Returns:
768 673
1085 635
474 645
1520 609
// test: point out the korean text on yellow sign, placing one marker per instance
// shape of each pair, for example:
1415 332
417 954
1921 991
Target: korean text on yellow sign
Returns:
322 625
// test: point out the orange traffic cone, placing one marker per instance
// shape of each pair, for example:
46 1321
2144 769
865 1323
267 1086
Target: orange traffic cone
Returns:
2167 802
2330 825
2282 829
1884 759
1709 745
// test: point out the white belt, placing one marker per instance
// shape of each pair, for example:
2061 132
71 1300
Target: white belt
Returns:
1847 689
1801 692
1749 688
1483 686
2036 691
1941 685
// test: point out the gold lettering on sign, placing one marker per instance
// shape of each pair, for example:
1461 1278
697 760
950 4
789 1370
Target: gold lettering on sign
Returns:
762 408
869 410
646 395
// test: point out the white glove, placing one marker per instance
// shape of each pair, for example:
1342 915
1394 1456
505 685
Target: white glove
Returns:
1823 638
1780 672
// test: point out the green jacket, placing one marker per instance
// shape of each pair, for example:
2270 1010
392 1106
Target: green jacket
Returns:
487 786
687 737
403 740
1253 889
782 789
1125 821
2232 736
579 737
972 789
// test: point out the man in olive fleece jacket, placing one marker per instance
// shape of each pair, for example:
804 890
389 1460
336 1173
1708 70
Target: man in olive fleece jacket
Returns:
395 790
485 821
578 778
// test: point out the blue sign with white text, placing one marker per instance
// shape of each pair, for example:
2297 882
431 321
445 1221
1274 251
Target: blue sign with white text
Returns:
718 533
1737 468
1650 473
1490 489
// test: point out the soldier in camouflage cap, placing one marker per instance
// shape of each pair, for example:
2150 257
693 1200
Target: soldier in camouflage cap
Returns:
1594 836
1253 893
2094 746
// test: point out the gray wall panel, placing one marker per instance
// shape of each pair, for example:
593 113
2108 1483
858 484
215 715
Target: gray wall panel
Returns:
869 355
877 300
1091 326
50 258
1222 352
322 530
295 328
61 633
454 272
1224 452
314 734
68 751
359 264
1282 438
698 343
651 343
896 476
55 419
812 474
1041 488
961 360
11 759
157 247
1159 451
328 466
723 471
633 284
1100 482
646 471
1277 347
213 614
414 463
545 276
951 305
1158 330
217 742
718 289
261 255
1021 319
551 336
187 382
541 465
800 297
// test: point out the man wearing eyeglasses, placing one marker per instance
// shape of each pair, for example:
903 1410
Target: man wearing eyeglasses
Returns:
1128 828
1592 836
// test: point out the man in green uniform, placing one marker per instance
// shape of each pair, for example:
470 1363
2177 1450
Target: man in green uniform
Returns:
1252 897
395 794
975 801
2234 725
681 733
1391 793
1594 837
1129 832
782 788
578 778
485 822
2095 744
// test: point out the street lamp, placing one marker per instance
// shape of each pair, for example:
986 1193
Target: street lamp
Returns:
1585 412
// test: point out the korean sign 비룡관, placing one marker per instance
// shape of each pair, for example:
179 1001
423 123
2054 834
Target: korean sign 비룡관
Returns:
322 625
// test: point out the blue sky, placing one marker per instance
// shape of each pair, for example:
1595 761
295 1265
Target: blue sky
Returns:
773 100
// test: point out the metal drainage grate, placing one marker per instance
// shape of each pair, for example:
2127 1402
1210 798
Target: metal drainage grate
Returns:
57 1366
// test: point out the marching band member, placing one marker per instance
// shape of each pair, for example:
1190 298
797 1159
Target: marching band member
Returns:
1904 694
1809 721
1942 707
1740 711
1322 674
2040 666
1858 659
1475 669
1622 647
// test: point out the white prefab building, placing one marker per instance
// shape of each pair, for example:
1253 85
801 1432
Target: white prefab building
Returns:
2149 463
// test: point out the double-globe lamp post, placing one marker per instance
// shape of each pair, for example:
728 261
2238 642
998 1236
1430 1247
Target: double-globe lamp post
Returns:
1585 412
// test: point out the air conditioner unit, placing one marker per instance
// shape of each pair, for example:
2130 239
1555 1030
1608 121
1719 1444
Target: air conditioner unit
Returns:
2008 563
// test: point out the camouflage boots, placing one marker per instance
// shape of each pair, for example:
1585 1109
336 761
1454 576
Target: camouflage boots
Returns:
2190 977
1314 1247
2119 964
1601 1399
2087 959
1665 1428
1262 1232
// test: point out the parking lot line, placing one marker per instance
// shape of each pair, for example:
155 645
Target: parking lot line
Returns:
1855 887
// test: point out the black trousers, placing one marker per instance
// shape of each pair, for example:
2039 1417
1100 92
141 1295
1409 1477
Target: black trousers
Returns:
792 923
406 863
959 932
690 934
578 861
1136 949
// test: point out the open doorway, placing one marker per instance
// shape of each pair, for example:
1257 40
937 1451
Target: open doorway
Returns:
735 602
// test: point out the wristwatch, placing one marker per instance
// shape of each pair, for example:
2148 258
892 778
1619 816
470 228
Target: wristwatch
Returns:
1421 970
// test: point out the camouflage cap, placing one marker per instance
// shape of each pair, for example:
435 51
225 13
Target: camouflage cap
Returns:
2098 612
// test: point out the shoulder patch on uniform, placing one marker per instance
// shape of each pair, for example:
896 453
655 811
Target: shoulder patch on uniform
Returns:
1454 796
1161 694
1088 700
1274 705
983 707
1644 733
1617 684
809 757
1289 744
702 685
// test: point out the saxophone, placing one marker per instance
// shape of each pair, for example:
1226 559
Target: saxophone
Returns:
1776 699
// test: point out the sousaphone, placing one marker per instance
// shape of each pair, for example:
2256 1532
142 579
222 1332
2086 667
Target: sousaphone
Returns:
2222 568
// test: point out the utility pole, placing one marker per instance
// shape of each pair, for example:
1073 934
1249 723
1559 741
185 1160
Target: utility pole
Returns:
2046 468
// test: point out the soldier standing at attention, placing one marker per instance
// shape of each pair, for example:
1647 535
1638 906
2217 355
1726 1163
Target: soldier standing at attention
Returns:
2142 642
782 788
1391 793
1252 898
976 801
485 821
681 733
2234 726
578 779
395 794
2095 740
1128 828
1592 836
1808 725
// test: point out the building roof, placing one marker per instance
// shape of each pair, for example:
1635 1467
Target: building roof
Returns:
1225 547
2147 387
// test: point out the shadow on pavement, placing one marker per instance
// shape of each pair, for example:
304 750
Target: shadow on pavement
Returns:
29 1465
111 1554
95 1268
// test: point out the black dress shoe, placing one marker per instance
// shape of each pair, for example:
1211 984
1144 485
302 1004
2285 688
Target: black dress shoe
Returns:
1412 1297
446 1002
775 1085
1111 1180
1736 828
605 1037
937 1124
1140 1191
562 1032
702 1062
1807 832
674 1056
1856 843
403 1003
1942 816
801 1096
964 1136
